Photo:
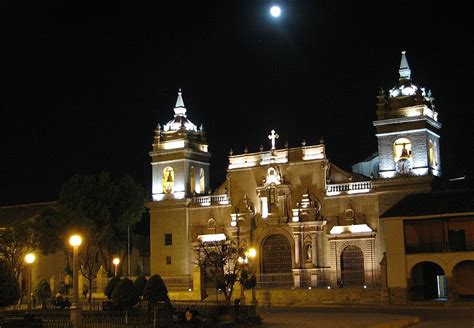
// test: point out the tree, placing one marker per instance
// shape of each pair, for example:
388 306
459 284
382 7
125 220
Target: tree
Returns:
90 264
101 208
15 243
125 296
140 284
43 292
223 261
109 289
9 290
156 292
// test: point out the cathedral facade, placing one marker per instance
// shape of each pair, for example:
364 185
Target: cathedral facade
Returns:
312 224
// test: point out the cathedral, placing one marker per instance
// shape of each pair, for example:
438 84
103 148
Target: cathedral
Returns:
313 225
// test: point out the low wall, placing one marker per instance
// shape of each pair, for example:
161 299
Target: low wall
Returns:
298 297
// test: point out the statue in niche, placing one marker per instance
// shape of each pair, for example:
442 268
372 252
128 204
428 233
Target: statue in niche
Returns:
309 253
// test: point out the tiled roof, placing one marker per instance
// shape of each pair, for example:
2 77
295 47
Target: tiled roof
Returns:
439 202
11 216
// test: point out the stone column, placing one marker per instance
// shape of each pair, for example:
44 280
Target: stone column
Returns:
314 253
297 249
452 290
319 242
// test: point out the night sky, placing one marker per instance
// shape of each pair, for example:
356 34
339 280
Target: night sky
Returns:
85 83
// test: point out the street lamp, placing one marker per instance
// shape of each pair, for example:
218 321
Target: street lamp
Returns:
116 262
29 259
75 241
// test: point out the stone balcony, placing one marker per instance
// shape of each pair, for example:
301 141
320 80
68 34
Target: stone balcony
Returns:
348 188
209 200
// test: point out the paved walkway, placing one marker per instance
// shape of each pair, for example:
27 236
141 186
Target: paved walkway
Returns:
335 320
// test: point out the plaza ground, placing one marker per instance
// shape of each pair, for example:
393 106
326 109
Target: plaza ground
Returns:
423 316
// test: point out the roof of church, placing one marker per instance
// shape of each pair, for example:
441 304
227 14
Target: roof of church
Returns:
11 216
432 203
338 175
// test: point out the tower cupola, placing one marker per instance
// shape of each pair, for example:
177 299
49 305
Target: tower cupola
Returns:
180 157
407 128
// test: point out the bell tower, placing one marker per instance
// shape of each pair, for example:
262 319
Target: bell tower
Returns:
180 158
407 129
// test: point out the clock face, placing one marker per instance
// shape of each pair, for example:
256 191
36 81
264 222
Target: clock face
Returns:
403 165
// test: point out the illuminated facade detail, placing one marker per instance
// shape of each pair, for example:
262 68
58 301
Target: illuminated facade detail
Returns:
273 176
401 149
192 180
402 155
264 207
168 180
211 237
202 185
273 136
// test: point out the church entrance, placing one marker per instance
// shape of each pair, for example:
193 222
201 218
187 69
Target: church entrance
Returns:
352 266
276 263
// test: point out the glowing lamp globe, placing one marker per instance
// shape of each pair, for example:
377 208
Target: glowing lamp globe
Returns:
275 11
30 258
75 240
116 261
252 252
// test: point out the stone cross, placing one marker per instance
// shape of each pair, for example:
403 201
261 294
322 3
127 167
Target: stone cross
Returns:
272 137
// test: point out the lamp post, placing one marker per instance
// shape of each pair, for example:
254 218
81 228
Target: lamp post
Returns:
116 262
29 259
75 241
252 253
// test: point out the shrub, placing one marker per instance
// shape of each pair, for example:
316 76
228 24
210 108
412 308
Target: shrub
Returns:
125 296
109 289
140 284
9 290
155 290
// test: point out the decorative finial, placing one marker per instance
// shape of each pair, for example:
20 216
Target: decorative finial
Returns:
286 143
261 148
321 140
303 142
231 152
404 52
381 92
201 128
246 150
158 127
273 137
404 71
179 108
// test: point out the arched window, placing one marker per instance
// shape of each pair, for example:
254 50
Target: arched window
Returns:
201 180
168 180
401 149
192 184
352 266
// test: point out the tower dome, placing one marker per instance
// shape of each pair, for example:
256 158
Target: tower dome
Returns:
180 121
405 86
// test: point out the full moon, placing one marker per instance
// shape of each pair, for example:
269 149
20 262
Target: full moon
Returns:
275 11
